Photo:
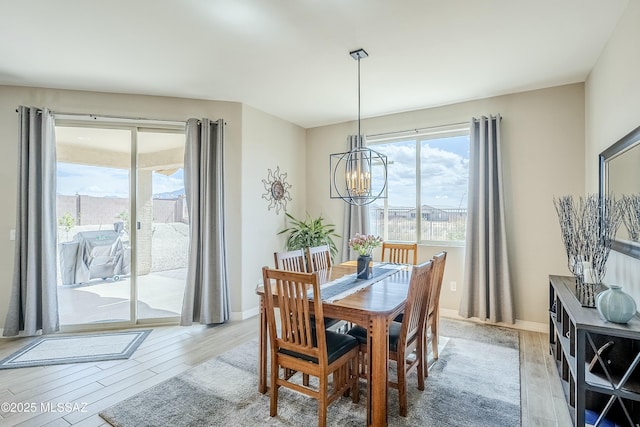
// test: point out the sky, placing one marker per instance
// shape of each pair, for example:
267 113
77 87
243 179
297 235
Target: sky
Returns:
444 172
444 175
108 182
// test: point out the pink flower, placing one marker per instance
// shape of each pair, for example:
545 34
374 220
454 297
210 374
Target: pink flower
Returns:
364 243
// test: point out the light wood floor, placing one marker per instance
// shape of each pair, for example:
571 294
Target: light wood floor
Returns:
170 350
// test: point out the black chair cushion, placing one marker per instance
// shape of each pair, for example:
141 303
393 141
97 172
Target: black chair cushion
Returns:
337 345
360 334
328 322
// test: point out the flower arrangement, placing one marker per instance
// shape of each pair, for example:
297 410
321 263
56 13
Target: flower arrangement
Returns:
364 243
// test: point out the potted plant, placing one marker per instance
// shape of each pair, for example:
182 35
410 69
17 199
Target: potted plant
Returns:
310 232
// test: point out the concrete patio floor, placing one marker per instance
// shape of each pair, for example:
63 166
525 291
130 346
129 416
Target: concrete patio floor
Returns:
160 295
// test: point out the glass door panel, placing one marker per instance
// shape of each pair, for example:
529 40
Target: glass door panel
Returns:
93 199
162 240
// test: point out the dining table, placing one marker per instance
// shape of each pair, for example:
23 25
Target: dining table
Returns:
371 303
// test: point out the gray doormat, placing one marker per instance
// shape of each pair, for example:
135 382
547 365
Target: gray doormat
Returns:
59 350
475 382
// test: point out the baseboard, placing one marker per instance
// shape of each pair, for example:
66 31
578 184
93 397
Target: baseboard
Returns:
523 325
242 315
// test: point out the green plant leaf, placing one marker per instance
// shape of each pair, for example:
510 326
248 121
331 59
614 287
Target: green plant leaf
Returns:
309 232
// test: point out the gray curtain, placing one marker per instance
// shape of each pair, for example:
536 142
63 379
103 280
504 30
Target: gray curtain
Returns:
34 301
356 218
206 296
487 287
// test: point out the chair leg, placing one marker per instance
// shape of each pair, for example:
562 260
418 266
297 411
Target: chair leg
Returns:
273 408
344 380
353 378
425 351
305 380
322 403
402 386
434 337
420 357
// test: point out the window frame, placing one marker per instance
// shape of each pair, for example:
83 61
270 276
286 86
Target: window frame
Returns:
418 136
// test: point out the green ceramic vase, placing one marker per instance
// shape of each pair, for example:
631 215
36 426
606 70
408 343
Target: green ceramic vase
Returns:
615 305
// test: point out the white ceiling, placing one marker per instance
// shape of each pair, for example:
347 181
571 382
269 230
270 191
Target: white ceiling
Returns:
290 58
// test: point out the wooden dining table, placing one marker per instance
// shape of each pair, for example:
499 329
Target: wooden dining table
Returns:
373 307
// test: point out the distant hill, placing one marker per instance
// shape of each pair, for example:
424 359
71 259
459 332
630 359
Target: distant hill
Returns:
170 195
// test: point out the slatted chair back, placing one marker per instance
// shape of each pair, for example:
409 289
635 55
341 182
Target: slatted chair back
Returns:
400 253
291 261
292 290
439 261
433 312
420 287
318 258
297 347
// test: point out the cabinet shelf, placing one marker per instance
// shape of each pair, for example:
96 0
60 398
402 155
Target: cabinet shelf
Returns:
576 335
600 383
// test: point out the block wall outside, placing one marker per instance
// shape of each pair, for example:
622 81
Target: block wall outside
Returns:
88 210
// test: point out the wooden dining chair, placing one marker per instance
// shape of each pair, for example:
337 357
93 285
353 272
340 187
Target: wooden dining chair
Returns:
433 312
400 253
318 258
296 347
406 338
291 260
295 261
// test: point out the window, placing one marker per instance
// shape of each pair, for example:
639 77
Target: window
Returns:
427 183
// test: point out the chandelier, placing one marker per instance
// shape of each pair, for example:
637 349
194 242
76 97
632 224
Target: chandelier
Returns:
358 176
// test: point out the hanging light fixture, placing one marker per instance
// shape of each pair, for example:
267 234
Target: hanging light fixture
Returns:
358 176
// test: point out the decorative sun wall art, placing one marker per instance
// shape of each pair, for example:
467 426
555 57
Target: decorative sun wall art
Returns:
277 190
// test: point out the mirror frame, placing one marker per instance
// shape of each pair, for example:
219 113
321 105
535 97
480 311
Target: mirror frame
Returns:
632 139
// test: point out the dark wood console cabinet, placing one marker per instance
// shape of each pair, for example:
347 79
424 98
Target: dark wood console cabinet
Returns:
607 383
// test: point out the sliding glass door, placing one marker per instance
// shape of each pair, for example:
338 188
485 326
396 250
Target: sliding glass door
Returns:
122 225
163 225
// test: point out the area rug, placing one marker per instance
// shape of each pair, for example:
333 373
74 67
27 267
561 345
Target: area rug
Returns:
475 382
59 350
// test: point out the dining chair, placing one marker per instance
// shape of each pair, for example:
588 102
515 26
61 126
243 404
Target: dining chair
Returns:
318 258
296 347
291 260
433 312
406 337
295 261
400 253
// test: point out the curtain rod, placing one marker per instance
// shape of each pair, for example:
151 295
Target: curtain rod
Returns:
491 116
416 130
108 117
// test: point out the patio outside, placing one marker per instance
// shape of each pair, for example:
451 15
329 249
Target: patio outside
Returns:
160 291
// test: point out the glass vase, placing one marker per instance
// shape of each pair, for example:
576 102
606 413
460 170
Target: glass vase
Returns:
364 267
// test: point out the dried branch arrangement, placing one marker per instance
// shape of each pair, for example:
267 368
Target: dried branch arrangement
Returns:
630 207
588 229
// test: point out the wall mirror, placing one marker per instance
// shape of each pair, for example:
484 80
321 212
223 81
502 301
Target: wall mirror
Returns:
620 176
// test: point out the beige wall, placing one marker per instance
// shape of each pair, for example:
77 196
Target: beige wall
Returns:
246 162
612 91
543 152
268 143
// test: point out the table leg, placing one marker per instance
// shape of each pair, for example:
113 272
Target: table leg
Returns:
378 360
262 356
